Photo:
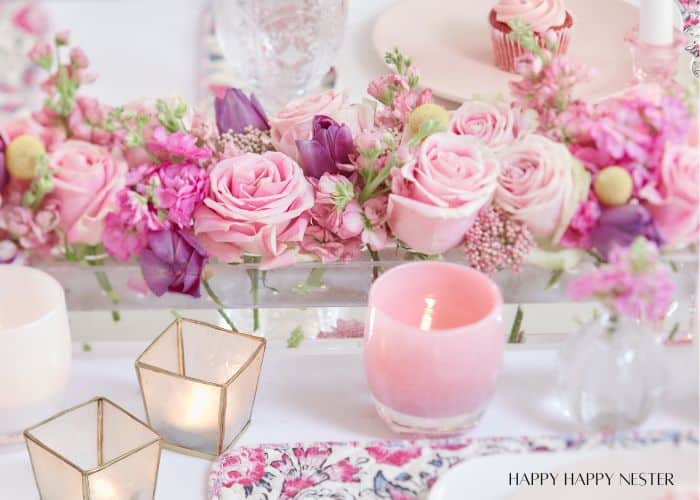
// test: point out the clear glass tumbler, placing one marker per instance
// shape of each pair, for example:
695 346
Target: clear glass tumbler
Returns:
280 49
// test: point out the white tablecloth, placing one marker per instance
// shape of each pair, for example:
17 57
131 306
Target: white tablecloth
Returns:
318 393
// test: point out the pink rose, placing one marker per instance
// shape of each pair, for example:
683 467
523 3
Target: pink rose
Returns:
86 181
293 122
257 205
359 116
436 196
541 184
495 124
673 199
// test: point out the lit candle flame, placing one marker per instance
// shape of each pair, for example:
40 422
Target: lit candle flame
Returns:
427 319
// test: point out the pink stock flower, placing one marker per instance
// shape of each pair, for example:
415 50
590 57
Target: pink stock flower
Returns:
31 18
673 198
386 87
87 120
578 234
122 239
78 58
633 283
294 121
257 205
496 124
328 247
182 187
41 54
180 145
375 233
34 231
335 208
86 180
541 185
436 196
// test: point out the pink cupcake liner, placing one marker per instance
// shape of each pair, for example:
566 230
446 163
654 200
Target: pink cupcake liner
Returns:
506 51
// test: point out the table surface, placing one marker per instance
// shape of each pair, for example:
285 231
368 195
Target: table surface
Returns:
318 393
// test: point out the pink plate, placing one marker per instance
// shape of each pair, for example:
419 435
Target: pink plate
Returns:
449 41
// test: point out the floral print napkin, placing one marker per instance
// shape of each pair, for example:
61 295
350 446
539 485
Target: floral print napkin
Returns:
396 470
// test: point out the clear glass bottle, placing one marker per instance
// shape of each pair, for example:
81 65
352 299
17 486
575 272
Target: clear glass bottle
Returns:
612 374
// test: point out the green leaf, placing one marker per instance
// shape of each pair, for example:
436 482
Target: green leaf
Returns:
296 337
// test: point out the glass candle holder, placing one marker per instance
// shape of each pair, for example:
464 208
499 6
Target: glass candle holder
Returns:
94 451
434 341
654 63
198 383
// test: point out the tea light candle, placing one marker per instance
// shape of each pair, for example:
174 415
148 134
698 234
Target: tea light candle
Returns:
434 342
198 383
656 22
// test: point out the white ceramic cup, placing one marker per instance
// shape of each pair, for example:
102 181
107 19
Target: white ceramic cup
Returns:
35 347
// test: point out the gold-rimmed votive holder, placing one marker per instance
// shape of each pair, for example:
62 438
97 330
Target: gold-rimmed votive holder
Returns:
94 451
198 383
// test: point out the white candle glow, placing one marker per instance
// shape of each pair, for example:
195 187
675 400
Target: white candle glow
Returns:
656 22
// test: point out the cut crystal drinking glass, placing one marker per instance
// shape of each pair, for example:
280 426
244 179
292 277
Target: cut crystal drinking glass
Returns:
280 49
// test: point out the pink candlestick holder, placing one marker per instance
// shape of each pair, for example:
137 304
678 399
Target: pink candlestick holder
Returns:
434 341
654 63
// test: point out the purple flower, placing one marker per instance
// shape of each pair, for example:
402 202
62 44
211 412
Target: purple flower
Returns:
235 112
620 226
3 171
173 261
331 145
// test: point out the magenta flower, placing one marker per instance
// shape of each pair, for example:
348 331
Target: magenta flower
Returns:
182 189
235 112
173 261
331 145
620 226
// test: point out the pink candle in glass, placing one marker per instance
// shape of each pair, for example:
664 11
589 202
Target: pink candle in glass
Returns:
434 342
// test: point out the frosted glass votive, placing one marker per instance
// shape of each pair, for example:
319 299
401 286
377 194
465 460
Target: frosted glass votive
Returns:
94 451
434 341
35 348
198 384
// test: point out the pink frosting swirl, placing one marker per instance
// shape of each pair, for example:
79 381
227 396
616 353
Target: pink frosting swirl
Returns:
541 15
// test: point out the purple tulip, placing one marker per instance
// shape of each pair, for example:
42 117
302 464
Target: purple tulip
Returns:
331 144
173 261
4 177
235 112
620 226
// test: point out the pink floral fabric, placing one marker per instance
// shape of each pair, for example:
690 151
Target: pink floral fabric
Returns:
394 470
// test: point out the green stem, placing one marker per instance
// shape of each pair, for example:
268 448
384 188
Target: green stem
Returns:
220 305
106 286
376 270
254 275
515 336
